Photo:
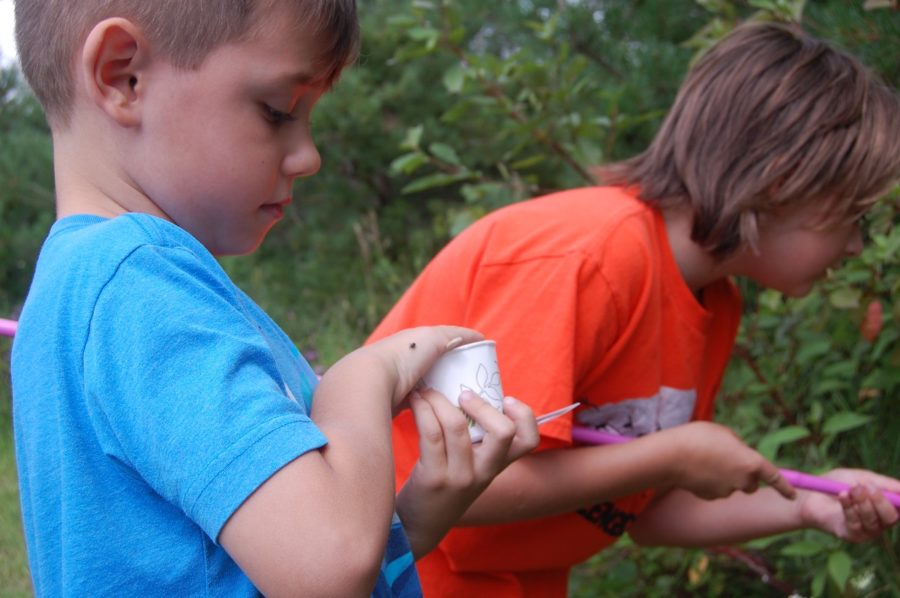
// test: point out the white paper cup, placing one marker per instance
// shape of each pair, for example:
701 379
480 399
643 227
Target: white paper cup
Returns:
469 367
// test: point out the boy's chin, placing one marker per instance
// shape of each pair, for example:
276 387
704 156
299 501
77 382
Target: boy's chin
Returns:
797 291
236 249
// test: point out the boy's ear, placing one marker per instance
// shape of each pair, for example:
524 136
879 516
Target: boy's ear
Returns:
113 62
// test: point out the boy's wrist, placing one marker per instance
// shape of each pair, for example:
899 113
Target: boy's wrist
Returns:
670 457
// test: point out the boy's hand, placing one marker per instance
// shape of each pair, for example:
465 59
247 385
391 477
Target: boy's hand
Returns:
411 352
859 515
452 471
714 462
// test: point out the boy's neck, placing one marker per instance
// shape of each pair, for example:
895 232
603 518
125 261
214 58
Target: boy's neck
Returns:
90 177
698 268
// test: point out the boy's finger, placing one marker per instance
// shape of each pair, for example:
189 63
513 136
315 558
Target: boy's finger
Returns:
771 476
527 436
487 416
499 430
432 452
887 512
868 516
851 517
882 482
455 428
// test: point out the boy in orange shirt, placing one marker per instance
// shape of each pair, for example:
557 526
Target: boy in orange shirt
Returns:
620 297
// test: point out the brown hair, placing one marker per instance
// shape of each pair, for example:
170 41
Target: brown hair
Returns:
49 33
769 118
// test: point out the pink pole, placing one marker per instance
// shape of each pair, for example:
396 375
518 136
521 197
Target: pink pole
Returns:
797 479
8 327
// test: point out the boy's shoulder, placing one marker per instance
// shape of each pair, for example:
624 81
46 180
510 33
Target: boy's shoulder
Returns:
580 202
81 248
109 238
590 221
131 257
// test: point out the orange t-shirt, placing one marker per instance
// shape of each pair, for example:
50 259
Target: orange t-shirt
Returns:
582 294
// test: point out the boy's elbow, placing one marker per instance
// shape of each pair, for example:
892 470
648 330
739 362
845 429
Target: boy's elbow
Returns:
349 564
346 565
642 535
357 562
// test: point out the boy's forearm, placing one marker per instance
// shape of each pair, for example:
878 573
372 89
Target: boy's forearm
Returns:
561 481
352 406
323 501
681 519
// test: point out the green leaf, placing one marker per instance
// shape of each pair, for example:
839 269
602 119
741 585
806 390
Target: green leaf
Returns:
436 180
445 153
810 351
401 21
846 420
845 298
413 137
770 443
818 584
454 79
528 162
408 163
830 385
803 548
770 299
764 4
841 369
839 567
422 33
462 219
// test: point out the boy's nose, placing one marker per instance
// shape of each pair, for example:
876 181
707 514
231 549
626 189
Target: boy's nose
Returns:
302 159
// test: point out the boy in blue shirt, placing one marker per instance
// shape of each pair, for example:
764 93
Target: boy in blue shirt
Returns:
170 439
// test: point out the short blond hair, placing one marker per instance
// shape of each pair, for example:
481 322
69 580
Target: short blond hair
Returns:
769 118
49 33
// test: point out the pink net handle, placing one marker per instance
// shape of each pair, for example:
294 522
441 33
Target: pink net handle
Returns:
8 327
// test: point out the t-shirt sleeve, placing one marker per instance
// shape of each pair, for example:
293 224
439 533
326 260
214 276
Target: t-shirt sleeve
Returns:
551 318
184 391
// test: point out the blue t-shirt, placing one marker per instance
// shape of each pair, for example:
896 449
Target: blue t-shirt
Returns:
151 397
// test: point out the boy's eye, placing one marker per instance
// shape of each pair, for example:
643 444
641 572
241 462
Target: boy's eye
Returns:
277 117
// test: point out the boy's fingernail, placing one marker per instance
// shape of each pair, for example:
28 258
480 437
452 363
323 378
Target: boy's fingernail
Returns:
454 342
466 396
510 402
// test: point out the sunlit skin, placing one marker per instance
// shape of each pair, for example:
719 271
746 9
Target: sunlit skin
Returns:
215 149
241 134
794 251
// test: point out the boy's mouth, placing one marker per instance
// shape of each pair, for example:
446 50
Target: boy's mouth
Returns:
276 210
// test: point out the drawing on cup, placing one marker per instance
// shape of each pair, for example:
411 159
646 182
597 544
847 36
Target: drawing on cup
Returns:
489 387
472 368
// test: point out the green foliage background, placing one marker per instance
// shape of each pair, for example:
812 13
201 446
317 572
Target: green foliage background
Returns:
459 107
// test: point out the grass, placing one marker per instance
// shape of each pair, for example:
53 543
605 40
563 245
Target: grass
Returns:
14 578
